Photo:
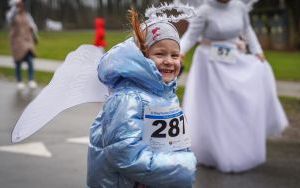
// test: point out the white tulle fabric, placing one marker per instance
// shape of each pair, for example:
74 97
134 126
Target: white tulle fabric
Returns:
231 109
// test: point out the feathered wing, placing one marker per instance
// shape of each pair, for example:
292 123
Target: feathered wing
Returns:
197 3
249 3
74 82
193 3
159 13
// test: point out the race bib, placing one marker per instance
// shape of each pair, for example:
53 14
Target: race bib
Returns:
166 129
223 53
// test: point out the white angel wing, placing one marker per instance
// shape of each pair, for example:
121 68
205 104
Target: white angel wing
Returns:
249 4
156 14
193 3
74 82
197 3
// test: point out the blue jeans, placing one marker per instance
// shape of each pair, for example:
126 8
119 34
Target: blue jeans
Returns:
18 67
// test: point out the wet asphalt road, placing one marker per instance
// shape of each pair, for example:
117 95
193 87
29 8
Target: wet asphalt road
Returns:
67 166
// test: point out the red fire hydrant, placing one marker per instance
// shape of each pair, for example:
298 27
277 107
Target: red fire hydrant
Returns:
100 33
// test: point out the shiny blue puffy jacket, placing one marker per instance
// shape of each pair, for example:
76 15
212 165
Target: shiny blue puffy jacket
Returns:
117 156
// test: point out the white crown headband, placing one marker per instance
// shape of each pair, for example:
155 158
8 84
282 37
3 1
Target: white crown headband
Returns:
155 14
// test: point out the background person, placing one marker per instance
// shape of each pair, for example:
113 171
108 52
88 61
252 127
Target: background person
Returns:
230 97
23 37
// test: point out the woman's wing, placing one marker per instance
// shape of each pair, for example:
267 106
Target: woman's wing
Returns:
249 4
197 3
74 82
193 3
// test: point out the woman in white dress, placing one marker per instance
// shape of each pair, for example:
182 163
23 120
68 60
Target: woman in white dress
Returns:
230 97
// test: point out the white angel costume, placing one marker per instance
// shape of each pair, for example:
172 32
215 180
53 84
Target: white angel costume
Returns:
230 97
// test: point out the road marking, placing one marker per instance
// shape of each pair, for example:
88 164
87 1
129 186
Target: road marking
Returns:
34 148
79 140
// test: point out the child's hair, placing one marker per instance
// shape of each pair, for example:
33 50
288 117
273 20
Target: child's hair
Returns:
150 31
140 36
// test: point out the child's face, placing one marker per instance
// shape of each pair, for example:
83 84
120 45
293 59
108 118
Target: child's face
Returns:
165 54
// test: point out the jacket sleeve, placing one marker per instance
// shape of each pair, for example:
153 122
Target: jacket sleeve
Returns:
133 158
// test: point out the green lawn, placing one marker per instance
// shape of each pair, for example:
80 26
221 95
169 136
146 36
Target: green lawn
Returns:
286 65
56 45
43 78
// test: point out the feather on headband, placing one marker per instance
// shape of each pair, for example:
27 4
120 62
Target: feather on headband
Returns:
159 13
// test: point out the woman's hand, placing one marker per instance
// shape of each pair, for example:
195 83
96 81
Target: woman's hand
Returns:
241 46
206 42
261 57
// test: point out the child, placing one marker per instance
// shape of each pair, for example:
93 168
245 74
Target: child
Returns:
141 138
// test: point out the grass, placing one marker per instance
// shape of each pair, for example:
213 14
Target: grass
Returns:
56 45
42 78
286 65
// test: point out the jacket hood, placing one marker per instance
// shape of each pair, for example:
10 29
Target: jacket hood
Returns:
125 63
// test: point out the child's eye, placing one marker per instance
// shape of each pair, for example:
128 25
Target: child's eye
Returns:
159 54
175 56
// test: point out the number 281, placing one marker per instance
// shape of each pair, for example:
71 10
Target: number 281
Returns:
173 131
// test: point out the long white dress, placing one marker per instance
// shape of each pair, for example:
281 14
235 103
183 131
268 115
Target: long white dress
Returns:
230 102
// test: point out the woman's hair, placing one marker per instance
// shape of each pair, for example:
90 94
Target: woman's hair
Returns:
140 36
